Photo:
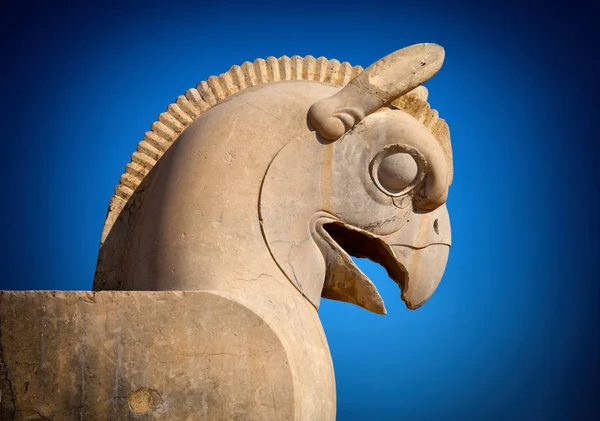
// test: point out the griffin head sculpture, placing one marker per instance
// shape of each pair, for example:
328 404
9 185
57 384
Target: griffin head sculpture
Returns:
258 185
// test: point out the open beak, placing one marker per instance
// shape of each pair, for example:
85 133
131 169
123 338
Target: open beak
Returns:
415 258
421 248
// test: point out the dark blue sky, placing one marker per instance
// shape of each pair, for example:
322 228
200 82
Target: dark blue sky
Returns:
512 332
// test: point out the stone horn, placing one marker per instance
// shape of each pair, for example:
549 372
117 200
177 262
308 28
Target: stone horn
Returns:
382 82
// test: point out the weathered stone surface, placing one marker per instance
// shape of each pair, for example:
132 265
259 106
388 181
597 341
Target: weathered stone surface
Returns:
384 81
140 355
125 205
250 193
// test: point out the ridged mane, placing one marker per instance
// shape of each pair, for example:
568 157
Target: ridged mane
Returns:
206 94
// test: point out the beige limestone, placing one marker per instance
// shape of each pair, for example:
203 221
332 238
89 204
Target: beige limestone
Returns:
378 85
250 193
167 355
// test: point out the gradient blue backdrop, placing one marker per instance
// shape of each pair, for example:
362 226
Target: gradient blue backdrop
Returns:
512 332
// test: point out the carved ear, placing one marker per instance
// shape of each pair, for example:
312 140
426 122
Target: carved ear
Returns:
378 85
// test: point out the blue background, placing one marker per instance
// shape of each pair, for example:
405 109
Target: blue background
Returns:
512 332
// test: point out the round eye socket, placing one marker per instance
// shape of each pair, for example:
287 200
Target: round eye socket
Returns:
397 169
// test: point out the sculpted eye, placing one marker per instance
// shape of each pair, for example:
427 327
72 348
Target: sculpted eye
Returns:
398 169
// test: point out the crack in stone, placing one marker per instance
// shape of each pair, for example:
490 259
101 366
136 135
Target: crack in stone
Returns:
379 223
256 278
40 416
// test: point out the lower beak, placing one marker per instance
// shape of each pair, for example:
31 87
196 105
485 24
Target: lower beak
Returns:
422 247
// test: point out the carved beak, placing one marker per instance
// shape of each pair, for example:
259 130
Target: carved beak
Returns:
424 269
421 247
415 258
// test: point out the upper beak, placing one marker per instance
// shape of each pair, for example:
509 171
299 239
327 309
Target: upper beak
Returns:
421 247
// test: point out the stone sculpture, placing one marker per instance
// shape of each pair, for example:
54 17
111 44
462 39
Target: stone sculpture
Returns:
238 212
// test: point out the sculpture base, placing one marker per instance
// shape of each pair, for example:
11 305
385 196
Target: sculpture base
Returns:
117 355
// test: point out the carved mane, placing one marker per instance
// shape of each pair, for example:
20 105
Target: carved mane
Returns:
196 101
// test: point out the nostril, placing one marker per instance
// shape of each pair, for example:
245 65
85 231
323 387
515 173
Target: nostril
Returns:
436 226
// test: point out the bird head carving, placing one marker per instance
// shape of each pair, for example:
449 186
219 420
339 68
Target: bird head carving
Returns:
369 181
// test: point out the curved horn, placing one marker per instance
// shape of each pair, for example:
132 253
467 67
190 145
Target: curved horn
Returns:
385 80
